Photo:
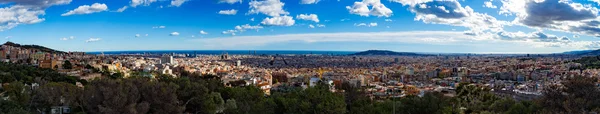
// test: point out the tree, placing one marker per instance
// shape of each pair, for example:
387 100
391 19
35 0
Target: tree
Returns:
58 94
18 93
575 95
114 97
67 65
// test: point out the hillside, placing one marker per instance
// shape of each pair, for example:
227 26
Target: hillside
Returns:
386 52
41 48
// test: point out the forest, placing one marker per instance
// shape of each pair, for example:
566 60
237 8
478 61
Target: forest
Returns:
27 89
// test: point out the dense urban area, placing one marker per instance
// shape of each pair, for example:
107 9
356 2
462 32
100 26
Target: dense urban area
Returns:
35 79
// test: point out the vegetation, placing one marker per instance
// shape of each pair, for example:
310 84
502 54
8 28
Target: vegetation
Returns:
206 94
592 62
27 74
67 65
41 48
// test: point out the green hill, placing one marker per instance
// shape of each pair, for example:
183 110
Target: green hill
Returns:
41 48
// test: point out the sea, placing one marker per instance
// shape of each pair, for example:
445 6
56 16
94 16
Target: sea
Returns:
230 52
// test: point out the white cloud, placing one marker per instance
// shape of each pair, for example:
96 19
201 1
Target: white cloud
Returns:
279 21
137 35
177 3
122 9
309 1
320 25
405 37
203 33
93 40
159 27
146 35
87 9
174 34
315 26
135 3
230 32
451 12
64 39
268 7
365 24
242 28
454 38
230 1
389 20
252 19
488 4
372 24
228 12
377 8
411 2
18 12
572 17
310 17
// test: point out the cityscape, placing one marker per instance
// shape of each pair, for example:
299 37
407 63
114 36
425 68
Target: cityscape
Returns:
331 57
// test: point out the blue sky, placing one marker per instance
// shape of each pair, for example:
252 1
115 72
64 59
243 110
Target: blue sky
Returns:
503 26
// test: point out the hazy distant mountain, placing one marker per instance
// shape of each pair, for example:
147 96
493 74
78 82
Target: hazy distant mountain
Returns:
386 52
41 48
579 52
591 53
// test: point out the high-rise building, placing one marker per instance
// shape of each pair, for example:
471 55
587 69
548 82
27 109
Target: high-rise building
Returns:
167 59
238 63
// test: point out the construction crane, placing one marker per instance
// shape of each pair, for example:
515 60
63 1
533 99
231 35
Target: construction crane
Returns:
321 71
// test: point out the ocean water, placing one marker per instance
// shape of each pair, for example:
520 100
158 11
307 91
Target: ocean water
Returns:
231 52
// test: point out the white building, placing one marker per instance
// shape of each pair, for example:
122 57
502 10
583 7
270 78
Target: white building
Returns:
167 59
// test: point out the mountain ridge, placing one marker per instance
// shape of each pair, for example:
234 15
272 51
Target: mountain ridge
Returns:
38 47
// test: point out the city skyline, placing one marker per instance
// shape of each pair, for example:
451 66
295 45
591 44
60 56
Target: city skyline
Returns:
449 26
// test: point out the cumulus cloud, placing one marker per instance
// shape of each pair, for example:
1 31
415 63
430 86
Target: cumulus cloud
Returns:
488 4
376 8
93 40
122 9
137 35
135 3
177 3
311 26
203 33
87 9
567 16
18 12
159 27
268 7
310 17
279 21
309 1
228 12
174 34
230 1
451 12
